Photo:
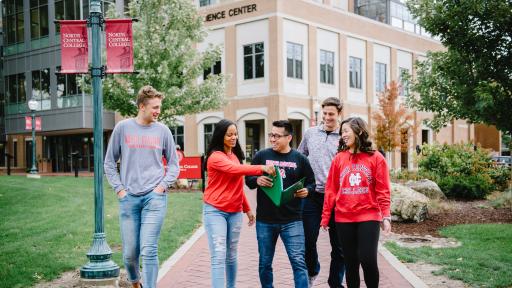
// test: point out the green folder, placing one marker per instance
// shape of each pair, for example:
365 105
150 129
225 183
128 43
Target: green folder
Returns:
276 192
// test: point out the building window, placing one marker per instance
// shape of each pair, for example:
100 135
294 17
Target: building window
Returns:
177 134
342 4
402 73
13 21
293 60
208 134
215 69
69 93
15 153
38 18
380 77
356 72
41 88
68 10
203 3
373 9
326 67
254 61
425 137
15 93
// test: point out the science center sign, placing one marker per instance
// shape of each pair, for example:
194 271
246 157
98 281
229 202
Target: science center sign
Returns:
231 12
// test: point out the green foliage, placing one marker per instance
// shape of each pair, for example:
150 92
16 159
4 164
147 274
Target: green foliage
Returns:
461 171
500 176
47 226
472 79
403 175
467 187
483 259
165 56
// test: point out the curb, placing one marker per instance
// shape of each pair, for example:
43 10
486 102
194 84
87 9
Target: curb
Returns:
169 263
414 280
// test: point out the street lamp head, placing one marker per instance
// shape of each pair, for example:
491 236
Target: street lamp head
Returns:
316 107
32 105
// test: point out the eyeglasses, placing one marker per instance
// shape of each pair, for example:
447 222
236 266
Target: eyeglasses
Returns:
276 136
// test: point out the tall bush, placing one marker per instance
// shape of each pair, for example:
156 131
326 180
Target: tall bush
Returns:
461 170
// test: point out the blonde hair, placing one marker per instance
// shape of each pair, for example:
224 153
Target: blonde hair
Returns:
148 92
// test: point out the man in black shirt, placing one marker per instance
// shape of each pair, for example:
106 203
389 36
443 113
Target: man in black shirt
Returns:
284 221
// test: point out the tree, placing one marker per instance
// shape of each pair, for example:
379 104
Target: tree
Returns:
165 57
472 79
391 119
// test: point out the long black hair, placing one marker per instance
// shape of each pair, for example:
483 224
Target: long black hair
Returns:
362 143
217 142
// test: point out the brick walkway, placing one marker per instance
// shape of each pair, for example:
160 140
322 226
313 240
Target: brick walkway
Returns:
193 269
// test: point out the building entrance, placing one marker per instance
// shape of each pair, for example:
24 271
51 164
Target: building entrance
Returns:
254 138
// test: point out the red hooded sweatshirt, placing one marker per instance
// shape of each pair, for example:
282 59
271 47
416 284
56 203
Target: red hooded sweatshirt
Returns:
358 186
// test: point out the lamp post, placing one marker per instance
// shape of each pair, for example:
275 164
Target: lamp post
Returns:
32 105
100 266
316 109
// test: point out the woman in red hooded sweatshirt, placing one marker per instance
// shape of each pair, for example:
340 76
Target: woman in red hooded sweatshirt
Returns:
358 189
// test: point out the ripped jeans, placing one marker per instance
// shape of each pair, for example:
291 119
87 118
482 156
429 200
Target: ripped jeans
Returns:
223 230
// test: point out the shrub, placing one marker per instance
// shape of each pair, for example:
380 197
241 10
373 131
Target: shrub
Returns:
404 175
468 187
500 176
460 170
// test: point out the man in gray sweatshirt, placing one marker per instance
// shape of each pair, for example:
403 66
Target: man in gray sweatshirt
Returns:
142 143
320 145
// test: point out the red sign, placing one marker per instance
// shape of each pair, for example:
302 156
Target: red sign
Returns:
119 42
190 168
28 123
74 46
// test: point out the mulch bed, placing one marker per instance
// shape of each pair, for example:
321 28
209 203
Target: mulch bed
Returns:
471 212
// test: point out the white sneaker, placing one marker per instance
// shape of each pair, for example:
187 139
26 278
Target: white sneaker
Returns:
311 280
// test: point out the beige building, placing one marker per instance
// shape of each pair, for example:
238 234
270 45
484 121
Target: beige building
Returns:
285 57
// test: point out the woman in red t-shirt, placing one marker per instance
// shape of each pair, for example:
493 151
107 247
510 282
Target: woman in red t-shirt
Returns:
224 200
358 188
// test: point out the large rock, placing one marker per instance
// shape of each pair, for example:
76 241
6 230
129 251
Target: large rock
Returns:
407 204
427 188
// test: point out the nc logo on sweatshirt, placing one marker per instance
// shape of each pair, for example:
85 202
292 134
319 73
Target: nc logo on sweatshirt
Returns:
354 179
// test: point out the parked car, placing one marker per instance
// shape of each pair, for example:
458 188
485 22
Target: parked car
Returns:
502 160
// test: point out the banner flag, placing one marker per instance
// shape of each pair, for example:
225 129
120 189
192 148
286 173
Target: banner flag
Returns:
119 42
74 46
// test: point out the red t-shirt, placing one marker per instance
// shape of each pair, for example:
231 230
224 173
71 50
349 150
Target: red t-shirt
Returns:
358 186
225 189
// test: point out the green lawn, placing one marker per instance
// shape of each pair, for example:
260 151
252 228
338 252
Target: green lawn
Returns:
483 260
46 226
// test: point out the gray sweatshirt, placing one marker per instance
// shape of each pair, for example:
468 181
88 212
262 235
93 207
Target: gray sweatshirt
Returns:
141 149
320 149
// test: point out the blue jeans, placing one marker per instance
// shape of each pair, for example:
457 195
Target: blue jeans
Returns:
292 235
312 215
141 218
223 230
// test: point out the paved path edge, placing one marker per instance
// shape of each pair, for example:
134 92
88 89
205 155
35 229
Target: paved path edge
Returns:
414 280
176 256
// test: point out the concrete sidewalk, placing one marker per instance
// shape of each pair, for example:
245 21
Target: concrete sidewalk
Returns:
192 269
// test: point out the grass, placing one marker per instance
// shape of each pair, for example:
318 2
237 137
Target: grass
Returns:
483 260
46 226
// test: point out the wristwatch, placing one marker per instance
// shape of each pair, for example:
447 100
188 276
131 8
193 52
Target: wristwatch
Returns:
386 218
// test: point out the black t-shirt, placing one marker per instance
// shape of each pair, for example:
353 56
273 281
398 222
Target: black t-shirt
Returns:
293 167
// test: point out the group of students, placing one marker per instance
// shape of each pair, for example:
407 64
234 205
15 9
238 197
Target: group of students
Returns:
346 192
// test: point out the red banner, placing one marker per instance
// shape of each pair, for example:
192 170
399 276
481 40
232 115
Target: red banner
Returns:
28 123
119 42
190 168
74 46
